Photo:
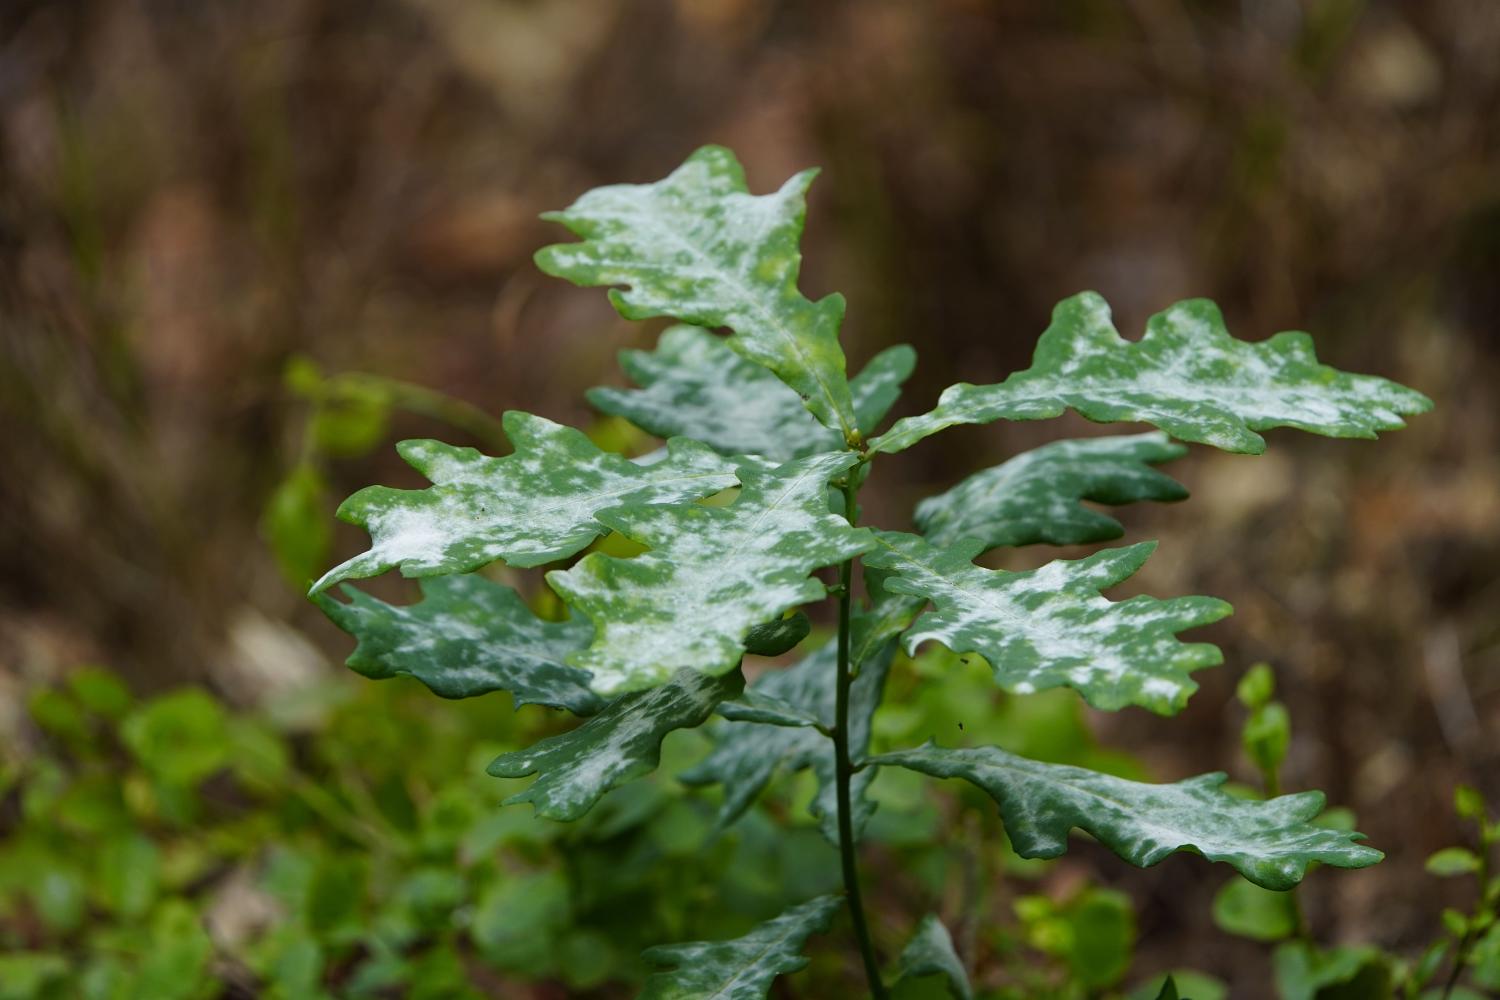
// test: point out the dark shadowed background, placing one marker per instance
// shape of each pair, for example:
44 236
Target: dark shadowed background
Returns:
194 194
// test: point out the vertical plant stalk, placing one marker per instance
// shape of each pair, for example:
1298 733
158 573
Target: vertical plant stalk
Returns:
843 768
1466 943
1271 779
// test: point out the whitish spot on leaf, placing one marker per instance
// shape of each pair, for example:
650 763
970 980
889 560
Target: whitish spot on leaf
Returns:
742 968
1271 843
774 731
467 636
699 247
1051 627
1187 376
711 575
694 385
620 744
527 508
1035 497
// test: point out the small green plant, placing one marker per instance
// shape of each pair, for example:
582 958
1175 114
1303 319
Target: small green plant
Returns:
1467 950
769 444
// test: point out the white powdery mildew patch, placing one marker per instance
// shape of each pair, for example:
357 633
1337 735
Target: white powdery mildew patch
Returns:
747 754
1036 495
742 968
468 636
530 507
1271 843
710 576
1051 626
621 743
694 385
699 247
1187 375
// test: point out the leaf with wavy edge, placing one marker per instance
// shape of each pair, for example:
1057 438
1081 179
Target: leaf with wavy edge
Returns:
1187 375
712 573
693 384
775 729
619 744
699 247
527 508
930 952
1051 627
1271 843
742 968
466 637
1037 496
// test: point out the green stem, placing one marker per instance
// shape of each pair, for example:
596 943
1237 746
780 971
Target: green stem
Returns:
1461 954
843 768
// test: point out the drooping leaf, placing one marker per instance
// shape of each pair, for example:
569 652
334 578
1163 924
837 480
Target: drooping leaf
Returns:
467 636
1271 843
775 637
742 968
694 385
712 574
527 508
699 247
930 953
774 730
1035 497
1187 376
1050 627
621 743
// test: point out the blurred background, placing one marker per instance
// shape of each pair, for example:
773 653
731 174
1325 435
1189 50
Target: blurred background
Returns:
244 248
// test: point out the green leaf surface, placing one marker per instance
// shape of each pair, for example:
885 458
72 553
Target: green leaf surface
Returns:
1305 972
527 508
930 953
1187 376
1183 983
694 385
699 247
1245 909
1271 843
744 967
620 744
1451 861
1036 496
775 732
1050 627
775 637
466 637
711 575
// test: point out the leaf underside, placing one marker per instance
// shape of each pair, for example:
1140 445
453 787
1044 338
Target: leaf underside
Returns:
697 246
742 968
466 637
620 744
694 385
1035 497
1051 627
710 575
527 508
930 952
1271 843
1187 376
773 731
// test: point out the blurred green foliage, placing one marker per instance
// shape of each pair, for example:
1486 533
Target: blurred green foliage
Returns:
175 846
